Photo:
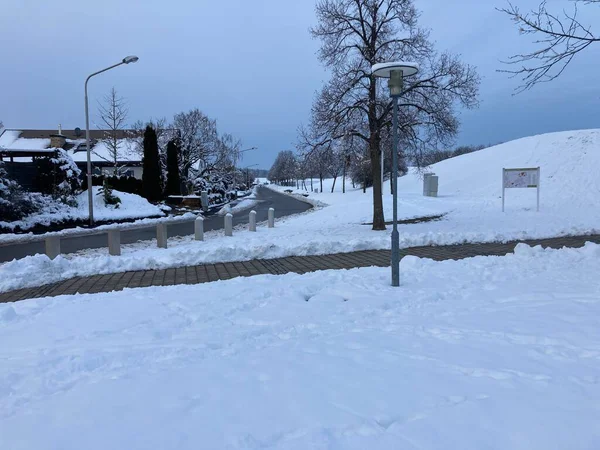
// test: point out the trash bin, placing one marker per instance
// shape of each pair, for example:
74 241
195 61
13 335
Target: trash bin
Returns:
433 186
426 181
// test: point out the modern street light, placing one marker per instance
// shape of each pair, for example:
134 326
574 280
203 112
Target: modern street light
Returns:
395 72
235 164
248 173
126 60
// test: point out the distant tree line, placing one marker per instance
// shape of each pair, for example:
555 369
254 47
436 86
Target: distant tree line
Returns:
338 161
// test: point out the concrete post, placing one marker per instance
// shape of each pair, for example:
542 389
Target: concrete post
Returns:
52 246
204 200
271 218
199 229
228 224
161 235
114 242
252 225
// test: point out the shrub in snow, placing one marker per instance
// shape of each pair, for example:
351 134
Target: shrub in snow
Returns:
219 186
122 183
107 193
15 203
59 177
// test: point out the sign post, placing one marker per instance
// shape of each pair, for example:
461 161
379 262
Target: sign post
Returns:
521 178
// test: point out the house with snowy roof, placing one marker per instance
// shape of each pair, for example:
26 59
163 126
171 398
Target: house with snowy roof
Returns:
18 147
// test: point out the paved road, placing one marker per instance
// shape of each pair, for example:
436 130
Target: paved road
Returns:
298 264
284 206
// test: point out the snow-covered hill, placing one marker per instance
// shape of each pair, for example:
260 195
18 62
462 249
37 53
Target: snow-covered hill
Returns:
569 163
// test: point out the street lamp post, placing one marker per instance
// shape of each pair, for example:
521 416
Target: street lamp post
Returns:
248 173
126 60
235 164
395 72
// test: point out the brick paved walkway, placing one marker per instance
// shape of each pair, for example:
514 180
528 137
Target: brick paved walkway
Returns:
298 264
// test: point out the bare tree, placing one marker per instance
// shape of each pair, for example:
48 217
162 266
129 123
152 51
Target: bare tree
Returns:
164 133
199 142
285 167
356 34
113 116
559 38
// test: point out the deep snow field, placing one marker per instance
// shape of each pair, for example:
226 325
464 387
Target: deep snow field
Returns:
484 353
470 189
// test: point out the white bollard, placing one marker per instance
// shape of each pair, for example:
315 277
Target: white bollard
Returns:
271 218
161 235
252 225
199 229
52 246
114 242
204 200
228 224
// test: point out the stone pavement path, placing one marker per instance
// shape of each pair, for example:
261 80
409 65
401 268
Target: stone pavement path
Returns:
299 264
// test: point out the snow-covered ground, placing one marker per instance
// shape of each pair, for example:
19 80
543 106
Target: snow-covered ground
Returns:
469 197
131 207
484 353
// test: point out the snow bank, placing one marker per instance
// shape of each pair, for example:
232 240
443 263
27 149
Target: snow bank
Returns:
132 207
489 352
242 205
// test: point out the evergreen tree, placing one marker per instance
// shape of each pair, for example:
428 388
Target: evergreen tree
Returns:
151 177
173 181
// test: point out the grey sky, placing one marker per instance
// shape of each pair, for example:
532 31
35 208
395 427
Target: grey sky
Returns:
251 65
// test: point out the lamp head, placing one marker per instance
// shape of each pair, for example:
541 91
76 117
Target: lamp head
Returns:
395 72
130 59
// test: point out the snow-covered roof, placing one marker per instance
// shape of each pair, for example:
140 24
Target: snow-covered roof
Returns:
101 153
13 141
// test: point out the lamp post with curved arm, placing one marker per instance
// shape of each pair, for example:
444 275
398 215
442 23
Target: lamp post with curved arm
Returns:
126 60
235 163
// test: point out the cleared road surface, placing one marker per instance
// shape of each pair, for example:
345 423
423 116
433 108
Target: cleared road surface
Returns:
284 206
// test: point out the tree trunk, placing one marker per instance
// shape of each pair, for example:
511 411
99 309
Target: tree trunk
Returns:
321 179
333 186
374 150
344 179
391 183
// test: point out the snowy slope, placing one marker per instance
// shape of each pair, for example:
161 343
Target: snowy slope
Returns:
470 199
485 353
569 175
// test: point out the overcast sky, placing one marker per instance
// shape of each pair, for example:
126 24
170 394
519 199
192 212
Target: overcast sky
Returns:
251 65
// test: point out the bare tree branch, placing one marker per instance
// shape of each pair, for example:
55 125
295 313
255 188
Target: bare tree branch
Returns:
558 39
113 116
